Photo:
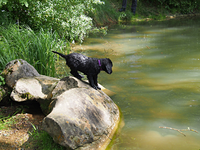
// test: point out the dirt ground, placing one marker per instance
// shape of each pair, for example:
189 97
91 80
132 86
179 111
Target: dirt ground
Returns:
18 123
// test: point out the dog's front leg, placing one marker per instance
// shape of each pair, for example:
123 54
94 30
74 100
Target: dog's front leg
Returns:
91 81
96 82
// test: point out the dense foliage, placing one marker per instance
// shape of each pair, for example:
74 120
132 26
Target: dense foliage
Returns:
68 17
182 6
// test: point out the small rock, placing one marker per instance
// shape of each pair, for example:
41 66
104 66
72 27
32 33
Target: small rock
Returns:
35 88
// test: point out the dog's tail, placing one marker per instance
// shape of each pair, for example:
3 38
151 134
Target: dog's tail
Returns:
62 55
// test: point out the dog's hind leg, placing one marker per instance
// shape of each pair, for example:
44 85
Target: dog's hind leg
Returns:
76 74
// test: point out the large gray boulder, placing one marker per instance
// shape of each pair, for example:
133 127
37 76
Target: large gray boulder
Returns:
17 69
81 117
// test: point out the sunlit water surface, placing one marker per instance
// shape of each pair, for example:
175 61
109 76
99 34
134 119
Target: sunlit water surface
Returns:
156 78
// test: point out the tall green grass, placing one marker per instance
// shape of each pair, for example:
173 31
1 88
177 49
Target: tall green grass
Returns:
23 43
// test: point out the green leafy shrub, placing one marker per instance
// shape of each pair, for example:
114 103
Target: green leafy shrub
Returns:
68 18
105 14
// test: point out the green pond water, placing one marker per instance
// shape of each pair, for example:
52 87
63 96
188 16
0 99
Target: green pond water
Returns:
156 78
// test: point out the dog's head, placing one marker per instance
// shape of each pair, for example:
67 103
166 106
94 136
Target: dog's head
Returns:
107 65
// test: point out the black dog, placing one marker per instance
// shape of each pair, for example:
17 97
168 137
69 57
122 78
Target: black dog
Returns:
89 66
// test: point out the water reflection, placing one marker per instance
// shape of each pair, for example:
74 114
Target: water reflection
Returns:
156 78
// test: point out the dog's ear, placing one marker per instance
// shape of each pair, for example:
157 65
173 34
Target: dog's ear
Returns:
108 66
110 62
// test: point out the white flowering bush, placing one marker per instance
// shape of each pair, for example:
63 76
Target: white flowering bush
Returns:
67 17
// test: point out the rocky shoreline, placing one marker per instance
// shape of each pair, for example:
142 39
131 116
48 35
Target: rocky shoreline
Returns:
76 115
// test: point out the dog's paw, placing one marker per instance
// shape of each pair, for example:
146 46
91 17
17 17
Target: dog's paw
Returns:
96 87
